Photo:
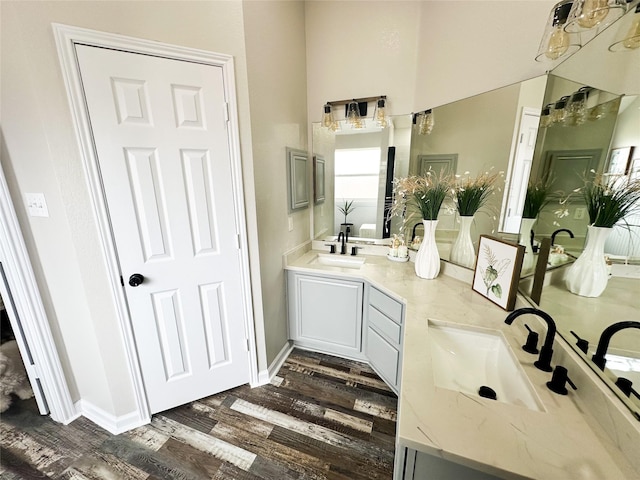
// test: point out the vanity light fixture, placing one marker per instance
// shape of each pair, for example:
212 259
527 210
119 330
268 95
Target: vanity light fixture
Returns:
628 37
545 116
556 42
588 14
425 122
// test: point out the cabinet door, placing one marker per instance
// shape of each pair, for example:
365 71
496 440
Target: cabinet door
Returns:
326 314
383 336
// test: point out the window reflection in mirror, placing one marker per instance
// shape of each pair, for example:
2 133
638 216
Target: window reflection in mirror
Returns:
356 170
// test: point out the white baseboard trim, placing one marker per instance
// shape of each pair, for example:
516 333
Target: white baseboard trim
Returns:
265 376
111 423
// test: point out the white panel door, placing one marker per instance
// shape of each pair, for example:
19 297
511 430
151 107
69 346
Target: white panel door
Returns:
159 127
521 170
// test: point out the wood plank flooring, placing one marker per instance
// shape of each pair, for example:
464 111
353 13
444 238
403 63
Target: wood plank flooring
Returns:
322 417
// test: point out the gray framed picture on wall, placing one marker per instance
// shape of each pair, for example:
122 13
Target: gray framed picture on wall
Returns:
318 179
297 172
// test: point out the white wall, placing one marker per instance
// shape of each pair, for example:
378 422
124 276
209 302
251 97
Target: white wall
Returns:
40 154
276 59
469 47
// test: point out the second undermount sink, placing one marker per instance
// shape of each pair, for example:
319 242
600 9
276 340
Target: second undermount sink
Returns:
466 358
337 260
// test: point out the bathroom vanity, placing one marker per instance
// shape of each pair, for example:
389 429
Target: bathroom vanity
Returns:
382 313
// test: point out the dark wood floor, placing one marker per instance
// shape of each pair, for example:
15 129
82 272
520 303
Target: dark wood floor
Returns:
321 417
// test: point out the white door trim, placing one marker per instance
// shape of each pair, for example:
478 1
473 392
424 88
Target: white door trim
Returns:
21 291
66 38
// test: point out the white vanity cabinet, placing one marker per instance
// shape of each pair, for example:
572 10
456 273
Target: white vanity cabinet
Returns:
384 318
414 465
325 313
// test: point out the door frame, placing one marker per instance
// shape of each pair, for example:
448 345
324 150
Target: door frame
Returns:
26 311
66 38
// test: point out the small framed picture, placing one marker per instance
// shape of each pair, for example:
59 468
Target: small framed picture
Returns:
318 179
634 169
498 271
298 184
619 161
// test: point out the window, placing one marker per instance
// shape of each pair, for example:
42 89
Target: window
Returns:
357 172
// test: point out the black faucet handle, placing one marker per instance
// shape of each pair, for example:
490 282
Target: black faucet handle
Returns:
354 250
531 346
559 379
582 343
332 247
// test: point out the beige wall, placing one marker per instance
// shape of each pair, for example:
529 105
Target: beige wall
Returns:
276 59
40 154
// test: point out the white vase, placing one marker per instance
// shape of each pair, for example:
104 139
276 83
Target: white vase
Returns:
588 276
526 225
462 251
428 259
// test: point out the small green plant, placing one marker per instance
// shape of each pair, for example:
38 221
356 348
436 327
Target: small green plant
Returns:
610 200
536 199
346 209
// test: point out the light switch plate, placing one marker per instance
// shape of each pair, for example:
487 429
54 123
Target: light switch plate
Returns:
36 205
290 223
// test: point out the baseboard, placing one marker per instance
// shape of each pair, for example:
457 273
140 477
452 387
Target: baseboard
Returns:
111 423
265 376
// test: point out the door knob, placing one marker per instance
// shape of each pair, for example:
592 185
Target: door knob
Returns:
136 279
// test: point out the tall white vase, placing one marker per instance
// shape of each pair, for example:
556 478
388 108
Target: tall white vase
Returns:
526 225
428 259
588 276
462 251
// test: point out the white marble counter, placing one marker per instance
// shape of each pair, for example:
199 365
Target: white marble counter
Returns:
501 439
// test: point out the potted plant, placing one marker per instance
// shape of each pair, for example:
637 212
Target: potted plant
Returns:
469 196
536 199
346 208
609 200
423 195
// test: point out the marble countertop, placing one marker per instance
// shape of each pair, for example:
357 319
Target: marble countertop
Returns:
501 439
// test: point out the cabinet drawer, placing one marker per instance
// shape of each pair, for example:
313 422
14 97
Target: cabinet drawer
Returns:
384 325
383 356
387 305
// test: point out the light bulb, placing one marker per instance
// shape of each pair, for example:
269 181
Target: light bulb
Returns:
632 39
593 12
327 116
381 116
558 43
425 122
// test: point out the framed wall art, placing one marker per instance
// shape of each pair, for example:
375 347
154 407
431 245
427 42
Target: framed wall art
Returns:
498 271
297 161
619 158
318 179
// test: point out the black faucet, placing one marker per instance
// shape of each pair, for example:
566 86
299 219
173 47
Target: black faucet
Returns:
413 232
546 352
553 235
605 337
343 244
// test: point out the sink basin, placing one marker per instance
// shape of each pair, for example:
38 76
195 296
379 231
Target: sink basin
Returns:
337 260
467 358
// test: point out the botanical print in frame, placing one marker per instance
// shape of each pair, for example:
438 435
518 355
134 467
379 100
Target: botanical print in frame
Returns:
619 160
498 271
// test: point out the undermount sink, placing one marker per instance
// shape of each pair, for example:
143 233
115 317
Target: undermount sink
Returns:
466 358
337 260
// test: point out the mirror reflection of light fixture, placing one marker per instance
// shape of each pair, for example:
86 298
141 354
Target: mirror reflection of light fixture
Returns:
425 121
576 110
588 14
628 37
380 115
559 111
545 116
557 42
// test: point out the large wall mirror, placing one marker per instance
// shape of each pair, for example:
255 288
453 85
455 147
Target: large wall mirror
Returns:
501 129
